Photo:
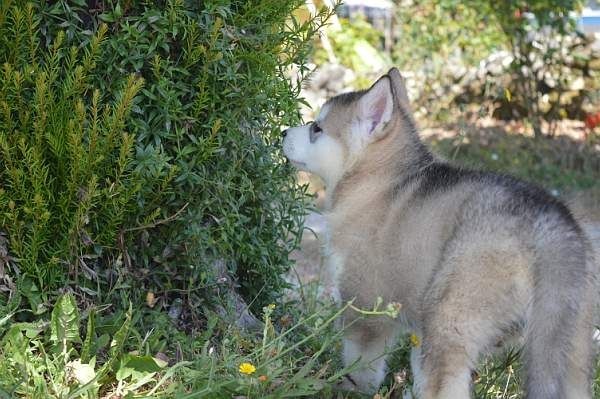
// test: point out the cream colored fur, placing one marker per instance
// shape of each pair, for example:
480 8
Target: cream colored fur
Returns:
469 258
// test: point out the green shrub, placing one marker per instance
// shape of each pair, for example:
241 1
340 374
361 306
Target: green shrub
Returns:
66 185
207 127
435 30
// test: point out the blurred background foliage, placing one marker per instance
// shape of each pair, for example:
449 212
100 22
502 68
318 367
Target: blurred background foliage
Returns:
525 58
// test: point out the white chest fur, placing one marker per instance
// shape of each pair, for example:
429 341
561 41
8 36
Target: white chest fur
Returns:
334 265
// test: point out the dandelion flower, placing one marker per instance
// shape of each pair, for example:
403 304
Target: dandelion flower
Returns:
247 368
415 340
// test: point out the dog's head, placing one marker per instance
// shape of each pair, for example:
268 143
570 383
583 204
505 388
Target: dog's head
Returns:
346 126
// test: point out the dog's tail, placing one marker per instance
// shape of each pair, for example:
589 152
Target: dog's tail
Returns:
559 347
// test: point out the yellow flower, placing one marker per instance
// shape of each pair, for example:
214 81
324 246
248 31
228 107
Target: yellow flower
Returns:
247 368
271 306
415 341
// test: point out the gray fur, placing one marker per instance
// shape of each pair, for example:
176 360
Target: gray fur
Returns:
468 254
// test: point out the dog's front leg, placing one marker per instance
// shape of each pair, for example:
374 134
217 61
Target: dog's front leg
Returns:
367 346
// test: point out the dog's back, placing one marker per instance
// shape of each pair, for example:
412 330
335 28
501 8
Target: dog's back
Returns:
474 256
533 268
471 256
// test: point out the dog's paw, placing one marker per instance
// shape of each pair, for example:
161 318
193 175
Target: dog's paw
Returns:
347 384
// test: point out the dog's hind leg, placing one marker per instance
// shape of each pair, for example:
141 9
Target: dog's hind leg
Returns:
444 370
451 344
583 352
559 360
464 315
559 348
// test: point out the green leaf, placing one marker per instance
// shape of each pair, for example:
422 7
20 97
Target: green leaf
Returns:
15 345
64 323
29 290
118 341
136 367
6 318
101 342
116 345
89 336
32 330
107 17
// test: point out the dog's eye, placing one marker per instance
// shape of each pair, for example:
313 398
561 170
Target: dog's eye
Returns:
315 131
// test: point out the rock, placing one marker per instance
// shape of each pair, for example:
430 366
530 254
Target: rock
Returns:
175 309
577 84
236 311
331 78
325 82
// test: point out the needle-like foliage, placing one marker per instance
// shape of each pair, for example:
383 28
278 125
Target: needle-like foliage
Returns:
66 185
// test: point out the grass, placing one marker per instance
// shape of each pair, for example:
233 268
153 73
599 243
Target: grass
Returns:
562 164
111 355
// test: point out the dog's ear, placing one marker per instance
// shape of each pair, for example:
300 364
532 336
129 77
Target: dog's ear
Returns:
400 93
375 108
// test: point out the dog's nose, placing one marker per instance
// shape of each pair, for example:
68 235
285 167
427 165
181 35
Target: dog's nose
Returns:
284 133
